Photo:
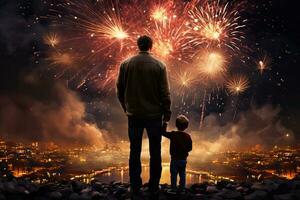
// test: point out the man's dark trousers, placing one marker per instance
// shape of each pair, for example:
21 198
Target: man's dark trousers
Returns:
135 131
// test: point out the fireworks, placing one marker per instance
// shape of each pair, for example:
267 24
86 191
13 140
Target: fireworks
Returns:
63 59
111 28
106 81
218 24
94 28
263 64
196 39
170 37
52 39
184 79
98 31
159 14
212 65
237 84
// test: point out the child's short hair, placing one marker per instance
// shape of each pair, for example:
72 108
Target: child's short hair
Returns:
182 122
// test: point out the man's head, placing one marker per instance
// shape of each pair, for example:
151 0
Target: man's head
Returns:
182 122
144 43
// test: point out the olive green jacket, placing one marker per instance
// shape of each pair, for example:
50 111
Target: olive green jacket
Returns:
143 88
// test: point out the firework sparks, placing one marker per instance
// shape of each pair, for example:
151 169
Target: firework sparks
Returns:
212 65
107 80
170 38
237 84
100 30
184 79
159 14
98 23
263 64
216 23
101 34
52 39
62 59
111 28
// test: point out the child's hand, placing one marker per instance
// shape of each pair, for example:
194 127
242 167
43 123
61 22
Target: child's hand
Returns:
165 125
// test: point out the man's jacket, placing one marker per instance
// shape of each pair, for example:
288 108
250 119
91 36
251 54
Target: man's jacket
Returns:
143 88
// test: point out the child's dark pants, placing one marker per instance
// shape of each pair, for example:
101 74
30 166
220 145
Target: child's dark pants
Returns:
178 167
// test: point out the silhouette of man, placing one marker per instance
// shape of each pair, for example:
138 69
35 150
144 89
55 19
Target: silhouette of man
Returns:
143 91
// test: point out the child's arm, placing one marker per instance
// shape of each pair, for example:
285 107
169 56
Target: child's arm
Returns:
190 144
164 130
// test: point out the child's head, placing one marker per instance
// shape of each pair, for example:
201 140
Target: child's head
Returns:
182 122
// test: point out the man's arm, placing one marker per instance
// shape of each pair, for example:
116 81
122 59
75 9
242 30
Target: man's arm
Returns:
121 87
165 95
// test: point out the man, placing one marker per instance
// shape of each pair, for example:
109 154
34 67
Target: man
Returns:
143 91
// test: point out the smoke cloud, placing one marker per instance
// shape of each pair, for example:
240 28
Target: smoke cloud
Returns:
46 112
256 129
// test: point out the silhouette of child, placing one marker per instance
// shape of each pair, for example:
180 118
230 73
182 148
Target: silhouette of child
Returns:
180 146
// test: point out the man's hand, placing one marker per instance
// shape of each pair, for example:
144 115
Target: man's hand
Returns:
167 117
164 125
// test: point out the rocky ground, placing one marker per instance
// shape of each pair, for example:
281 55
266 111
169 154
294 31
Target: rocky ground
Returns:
19 189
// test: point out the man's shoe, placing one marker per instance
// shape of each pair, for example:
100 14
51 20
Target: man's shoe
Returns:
135 191
135 194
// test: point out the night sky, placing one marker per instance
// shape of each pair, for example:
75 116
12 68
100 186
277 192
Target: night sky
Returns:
35 105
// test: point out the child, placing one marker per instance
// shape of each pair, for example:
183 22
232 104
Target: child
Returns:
180 145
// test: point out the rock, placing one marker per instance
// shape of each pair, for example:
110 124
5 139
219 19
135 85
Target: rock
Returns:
256 195
222 184
266 186
74 196
296 194
283 197
55 195
215 197
106 189
198 188
98 186
98 196
171 192
119 191
242 189
198 196
211 189
296 184
21 190
65 192
229 186
1 186
85 196
2 197
40 198
77 186
47 188
9 186
229 194
284 188
31 188
86 190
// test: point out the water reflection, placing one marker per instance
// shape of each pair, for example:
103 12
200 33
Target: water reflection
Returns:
122 175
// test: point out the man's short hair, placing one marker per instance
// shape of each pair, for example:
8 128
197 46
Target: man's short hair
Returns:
182 122
144 43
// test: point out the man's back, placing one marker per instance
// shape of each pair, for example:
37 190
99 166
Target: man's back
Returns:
143 87
143 92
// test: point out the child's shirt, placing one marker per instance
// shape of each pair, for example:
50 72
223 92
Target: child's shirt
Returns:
180 144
